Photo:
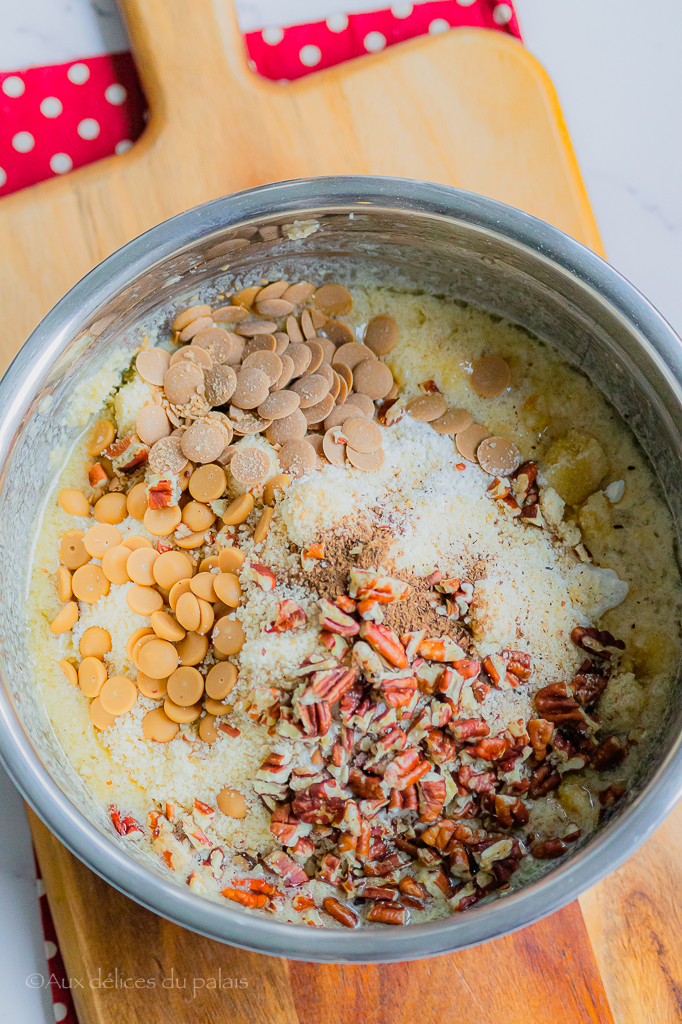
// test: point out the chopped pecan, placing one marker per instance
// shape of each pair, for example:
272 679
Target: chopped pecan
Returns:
549 849
367 787
440 747
554 703
397 691
126 453
260 574
330 869
544 779
523 479
340 912
345 603
532 515
389 412
609 754
490 748
468 729
97 475
510 811
432 794
478 782
163 491
316 805
301 902
387 913
334 620
382 868
588 685
518 663
406 769
334 683
124 826
408 886
256 901
612 793
388 893
316 719
289 616
370 585
385 642
540 733
596 641
441 649
439 834
287 868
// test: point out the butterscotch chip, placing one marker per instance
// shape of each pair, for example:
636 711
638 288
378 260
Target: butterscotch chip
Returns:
319 412
73 502
155 689
301 357
263 525
144 600
311 389
317 354
490 376
66 619
498 456
185 686
206 617
72 550
232 803
274 307
207 482
232 349
171 567
339 333
248 423
335 451
118 695
144 639
259 343
136 501
268 362
299 292
135 542
192 354
278 405
152 365
245 296
207 730
297 457
157 726
343 391
192 649
187 611
362 434
335 386
372 378
69 671
229 314
201 585
89 583
215 707
202 442
340 413
101 436
111 508
294 332
333 300
92 676
281 342
381 334
114 564
427 407
221 680
100 718
239 510
197 325
274 290
140 566
307 325
467 441
182 381
369 462
188 315
350 355
216 342
227 588
100 538
166 456
328 348
158 658
231 559
288 428
249 466
133 640
325 370
152 424
177 590
208 563
63 580
362 402
453 421
162 521
317 441
228 636
95 643
286 374
221 382
254 327
344 372
253 386
165 627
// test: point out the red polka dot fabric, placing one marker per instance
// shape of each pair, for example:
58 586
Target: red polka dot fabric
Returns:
56 978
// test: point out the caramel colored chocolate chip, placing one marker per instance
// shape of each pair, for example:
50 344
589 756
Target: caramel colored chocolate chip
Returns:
216 342
362 434
197 325
221 680
101 436
231 559
193 354
160 522
490 376
286 374
185 686
207 730
372 378
215 707
134 542
249 466
158 658
343 391
171 567
253 386
100 538
299 292
239 510
229 314
136 501
319 412
368 462
362 402
188 315
311 389
221 382
177 590
73 502
155 689
140 566
94 643
227 588
338 332
333 300
297 457
118 695
268 362
381 334
328 348
166 456
89 583
427 407
301 357
92 676
152 365
247 423
144 600
114 564
66 619
279 404
201 585
333 450
294 332
467 441
187 612
72 550
316 354
111 508
254 327
152 424
498 456
281 342
232 803
351 354
317 441
207 482
202 442
325 370
157 726
192 649
182 381
288 428
165 627
228 636
340 413
335 386
307 325
231 349
100 718
259 343
454 421
63 580
133 640
274 307
69 671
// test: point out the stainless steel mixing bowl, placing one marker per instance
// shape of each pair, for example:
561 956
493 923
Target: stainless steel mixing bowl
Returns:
410 232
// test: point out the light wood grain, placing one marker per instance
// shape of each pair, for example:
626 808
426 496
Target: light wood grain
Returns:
546 974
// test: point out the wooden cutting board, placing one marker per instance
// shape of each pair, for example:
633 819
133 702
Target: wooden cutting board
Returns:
469 108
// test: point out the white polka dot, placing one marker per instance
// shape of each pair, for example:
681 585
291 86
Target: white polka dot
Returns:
123 146
337 23
252 67
466 3
60 1011
115 94
61 163
88 128
502 14
438 25
3 176
23 142
50 949
310 55
374 41
273 35
13 86
78 73
51 107
401 10
40 887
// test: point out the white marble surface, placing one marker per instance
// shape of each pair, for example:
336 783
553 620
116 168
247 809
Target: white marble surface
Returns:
615 64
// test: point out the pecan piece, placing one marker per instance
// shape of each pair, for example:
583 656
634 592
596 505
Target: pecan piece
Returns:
367 787
255 901
510 811
334 620
97 475
543 780
596 641
609 754
340 912
554 703
385 642
289 616
490 748
523 479
316 719
432 794
439 834
440 747
549 849
397 691
612 793
540 733
332 685
588 685
283 865
387 913
518 663
468 729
